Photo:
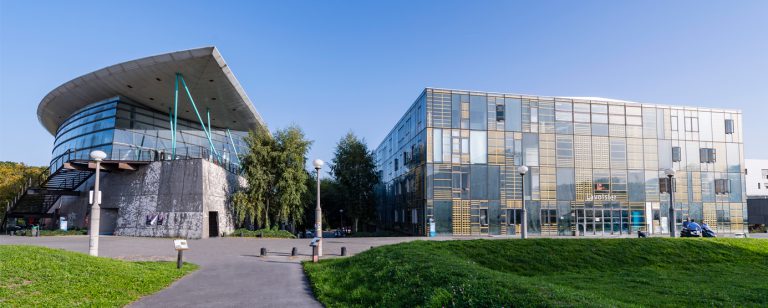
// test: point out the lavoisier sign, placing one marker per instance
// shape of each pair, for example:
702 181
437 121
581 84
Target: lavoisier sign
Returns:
600 198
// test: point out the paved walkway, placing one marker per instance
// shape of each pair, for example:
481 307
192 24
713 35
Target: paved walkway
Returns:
231 272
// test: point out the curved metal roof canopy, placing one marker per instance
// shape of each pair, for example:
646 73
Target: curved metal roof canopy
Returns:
150 81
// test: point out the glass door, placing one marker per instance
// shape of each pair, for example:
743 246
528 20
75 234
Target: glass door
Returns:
514 217
598 220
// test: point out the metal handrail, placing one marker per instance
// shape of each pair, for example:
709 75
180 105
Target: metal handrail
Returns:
143 154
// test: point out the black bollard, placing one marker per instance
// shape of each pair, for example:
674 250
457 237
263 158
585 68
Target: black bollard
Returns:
263 252
343 251
293 252
179 259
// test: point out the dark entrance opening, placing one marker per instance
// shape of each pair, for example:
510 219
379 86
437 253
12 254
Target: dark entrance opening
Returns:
213 224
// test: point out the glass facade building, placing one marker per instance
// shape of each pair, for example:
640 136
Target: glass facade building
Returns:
129 131
596 166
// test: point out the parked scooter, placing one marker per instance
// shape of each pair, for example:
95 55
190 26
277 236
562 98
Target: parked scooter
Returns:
686 232
706 231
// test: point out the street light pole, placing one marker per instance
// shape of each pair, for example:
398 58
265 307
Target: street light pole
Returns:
341 221
672 221
93 233
318 212
523 224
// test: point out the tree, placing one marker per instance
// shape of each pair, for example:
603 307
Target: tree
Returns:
12 178
258 165
329 196
274 170
354 169
291 177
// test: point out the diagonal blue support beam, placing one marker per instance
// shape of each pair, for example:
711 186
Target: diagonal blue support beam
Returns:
170 121
208 114
234 148
194 107
175 116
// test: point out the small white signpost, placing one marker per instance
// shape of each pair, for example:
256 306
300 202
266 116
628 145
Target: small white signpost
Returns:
180 246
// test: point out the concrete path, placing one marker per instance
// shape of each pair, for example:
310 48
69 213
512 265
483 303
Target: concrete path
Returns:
231 274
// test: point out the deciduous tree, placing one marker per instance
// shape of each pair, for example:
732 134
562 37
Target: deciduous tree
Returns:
354 169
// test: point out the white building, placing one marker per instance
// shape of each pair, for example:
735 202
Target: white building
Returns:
756 177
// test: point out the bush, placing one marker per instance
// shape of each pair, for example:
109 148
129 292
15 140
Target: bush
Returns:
757 229
267 233
58 232
376 234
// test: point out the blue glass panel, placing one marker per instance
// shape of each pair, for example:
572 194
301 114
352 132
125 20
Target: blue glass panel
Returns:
478 112
513 114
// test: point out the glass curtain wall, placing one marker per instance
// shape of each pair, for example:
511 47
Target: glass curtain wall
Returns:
128 131
596 166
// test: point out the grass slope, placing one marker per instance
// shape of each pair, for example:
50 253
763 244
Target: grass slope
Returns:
44 277
548 272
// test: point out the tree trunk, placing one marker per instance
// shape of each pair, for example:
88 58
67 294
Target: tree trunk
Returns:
266 216
355 225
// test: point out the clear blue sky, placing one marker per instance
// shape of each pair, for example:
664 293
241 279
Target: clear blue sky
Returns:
333 66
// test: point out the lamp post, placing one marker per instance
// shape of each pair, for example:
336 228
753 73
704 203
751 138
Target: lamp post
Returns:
318 212
93 234
672 225
341 221
523 224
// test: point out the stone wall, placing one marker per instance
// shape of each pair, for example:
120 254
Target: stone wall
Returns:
219 185
163 199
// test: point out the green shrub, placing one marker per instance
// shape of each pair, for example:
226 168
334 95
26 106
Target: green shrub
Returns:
58 232
376 234
266 233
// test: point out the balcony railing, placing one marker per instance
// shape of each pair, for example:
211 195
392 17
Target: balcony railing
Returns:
139 154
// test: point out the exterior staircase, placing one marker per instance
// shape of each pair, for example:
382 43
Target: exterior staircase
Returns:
39 194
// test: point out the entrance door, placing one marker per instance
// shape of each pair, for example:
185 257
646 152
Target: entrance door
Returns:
599 220
213 224
107 221
514 218
581 222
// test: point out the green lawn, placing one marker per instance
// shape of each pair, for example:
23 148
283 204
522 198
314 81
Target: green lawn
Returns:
44 277
549 272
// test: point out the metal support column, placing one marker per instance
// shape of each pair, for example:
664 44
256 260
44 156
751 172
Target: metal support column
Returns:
173 135
234 148
208 115
175 116
194 107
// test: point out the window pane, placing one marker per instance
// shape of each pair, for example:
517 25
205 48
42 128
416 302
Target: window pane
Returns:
733 157
478 181
531 149
513 114
478 113
478 148
599 118
581 107
437 145
566 184
494 191
636 186
600 129
581 117
565 116
735 187
599 108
